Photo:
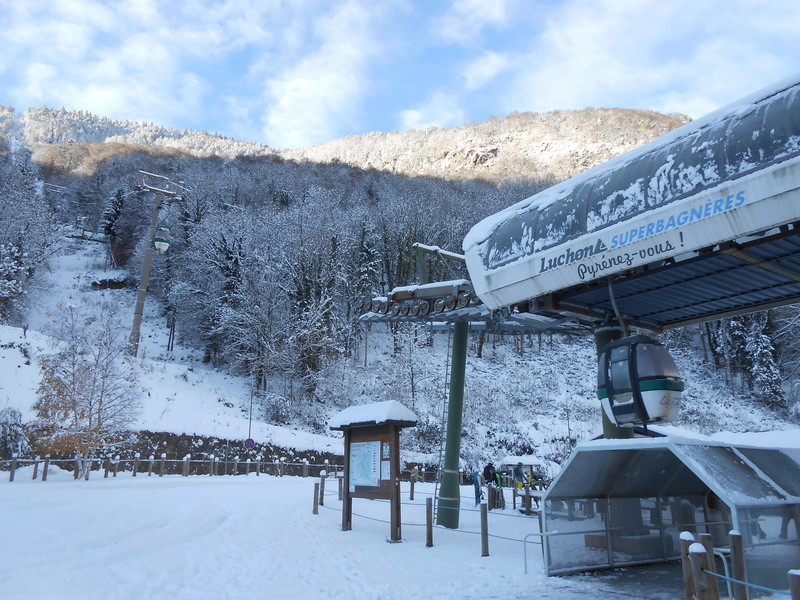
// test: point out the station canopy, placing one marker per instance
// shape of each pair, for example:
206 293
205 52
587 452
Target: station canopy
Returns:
700 223
625 502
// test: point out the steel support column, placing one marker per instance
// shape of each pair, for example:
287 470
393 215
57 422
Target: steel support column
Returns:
449 492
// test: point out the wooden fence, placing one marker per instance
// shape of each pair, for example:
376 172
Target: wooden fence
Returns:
159 465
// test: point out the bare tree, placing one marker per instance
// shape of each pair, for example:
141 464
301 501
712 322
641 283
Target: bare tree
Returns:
86 395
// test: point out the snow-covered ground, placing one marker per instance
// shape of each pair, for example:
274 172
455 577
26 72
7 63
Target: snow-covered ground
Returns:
256 537
180 394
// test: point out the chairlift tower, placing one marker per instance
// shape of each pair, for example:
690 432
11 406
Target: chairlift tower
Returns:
162 187
455 304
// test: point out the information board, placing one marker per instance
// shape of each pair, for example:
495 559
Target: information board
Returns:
365 463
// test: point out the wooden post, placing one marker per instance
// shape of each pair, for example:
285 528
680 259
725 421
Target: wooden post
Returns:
484 530
235 465
514 497
135 463
527 499
322 477
711 561
163 463
395 534
316 499
116 465
13 467
687 539
794 584
697 560
258 465
305 467
35 467
428 522
150 465
186 464
738 568
211 465
247 467
341 486
46 465
411 482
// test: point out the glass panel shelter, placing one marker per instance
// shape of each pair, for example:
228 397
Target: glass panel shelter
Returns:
625 502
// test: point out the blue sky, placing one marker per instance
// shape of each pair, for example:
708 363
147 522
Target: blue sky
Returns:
293 73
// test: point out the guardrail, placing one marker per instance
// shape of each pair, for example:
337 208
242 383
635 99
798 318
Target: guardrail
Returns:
702 582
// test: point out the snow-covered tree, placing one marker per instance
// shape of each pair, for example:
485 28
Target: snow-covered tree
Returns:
13 439
766 376
27 232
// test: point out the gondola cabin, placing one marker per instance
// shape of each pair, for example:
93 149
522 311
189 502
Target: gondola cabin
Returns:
638 382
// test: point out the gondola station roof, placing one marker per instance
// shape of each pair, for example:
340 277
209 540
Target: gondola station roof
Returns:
700 223
741 476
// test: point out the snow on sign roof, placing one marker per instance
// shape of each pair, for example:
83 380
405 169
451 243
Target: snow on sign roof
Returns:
373 413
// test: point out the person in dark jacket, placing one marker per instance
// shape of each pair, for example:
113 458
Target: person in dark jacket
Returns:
489 474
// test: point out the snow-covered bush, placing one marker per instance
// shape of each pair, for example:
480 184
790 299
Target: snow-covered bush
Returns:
13 439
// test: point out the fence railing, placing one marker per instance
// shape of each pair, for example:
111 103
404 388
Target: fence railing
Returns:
701 580
160 465
483 508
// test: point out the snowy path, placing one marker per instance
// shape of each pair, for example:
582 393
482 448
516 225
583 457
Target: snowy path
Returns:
253 537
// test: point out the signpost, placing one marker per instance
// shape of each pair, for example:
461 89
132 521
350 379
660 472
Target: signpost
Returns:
372 457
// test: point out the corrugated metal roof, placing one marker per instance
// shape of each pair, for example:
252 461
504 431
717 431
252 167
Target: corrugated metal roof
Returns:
668 467
760 274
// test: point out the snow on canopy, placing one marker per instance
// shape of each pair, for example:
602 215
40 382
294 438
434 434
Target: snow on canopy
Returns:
750 135
740 475
375 412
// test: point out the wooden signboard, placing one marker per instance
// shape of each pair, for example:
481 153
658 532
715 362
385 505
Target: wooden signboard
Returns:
372 468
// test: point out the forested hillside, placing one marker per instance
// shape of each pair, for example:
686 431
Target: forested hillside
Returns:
272 255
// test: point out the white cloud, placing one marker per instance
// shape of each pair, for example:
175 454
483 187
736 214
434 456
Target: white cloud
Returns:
483 69
300 72
314 100
126 59
442 110
466 19
680 56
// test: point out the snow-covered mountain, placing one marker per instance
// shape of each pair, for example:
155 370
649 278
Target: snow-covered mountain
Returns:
502 150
